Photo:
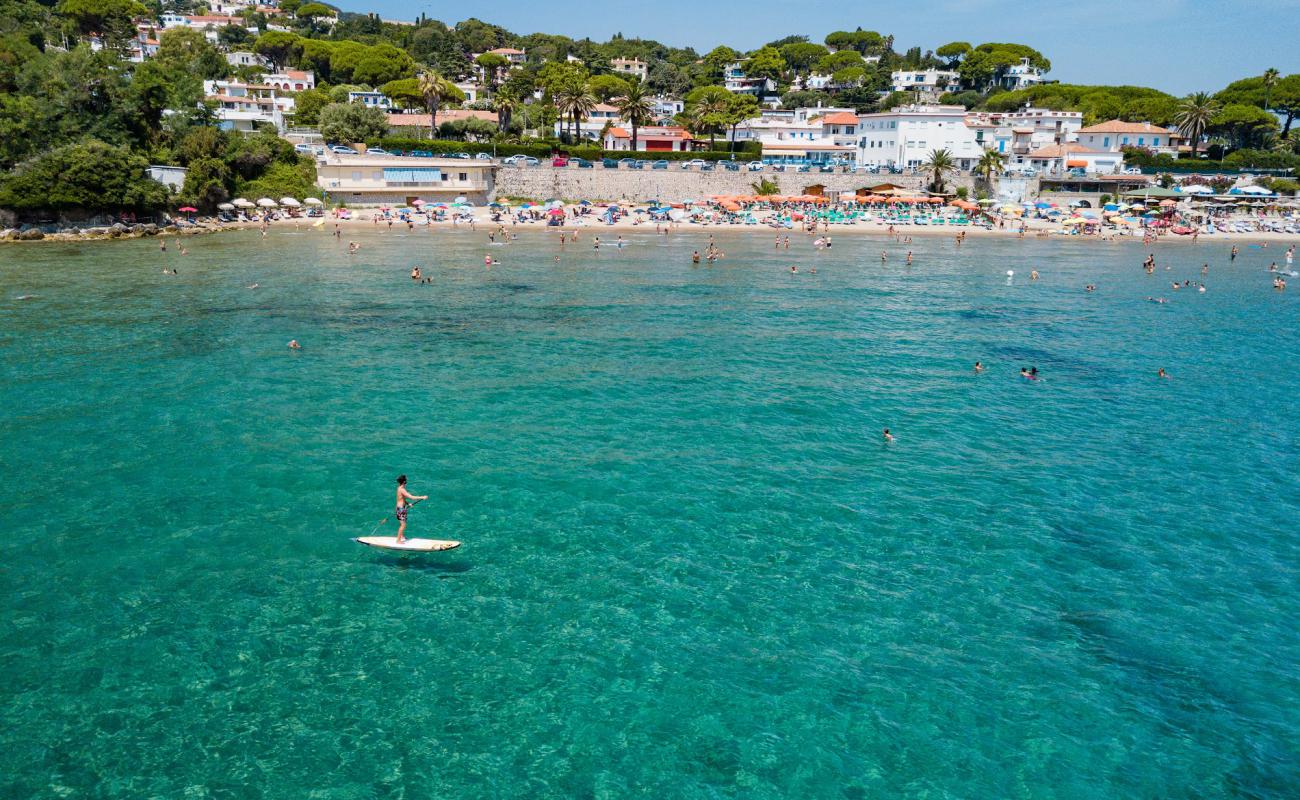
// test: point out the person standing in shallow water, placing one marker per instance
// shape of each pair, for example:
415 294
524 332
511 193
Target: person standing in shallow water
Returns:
404 501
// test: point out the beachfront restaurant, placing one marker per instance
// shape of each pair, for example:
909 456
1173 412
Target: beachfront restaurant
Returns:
401 180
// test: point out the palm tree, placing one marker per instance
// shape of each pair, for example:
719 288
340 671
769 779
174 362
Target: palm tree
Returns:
434 89
1193 117
505 104
575 101
1270 80
940 165
635 107
990 163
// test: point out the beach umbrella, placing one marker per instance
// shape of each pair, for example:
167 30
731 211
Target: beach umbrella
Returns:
1041 204
493 205
1075 221
266 202
417 202
1168 203
187 209
986 202
226 206
242 203
1197 188
584 202
676 215
556 212
1110 207
460 199
313 201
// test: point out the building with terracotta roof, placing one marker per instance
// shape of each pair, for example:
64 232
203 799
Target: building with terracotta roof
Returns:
1058 159
245 106
418 124
905 136
630 66
1114 135
291 80
654 138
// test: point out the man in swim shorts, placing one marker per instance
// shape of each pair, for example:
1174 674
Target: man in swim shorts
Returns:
404 502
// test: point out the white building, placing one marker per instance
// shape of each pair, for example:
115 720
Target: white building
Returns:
630 66
593 126
371 99
926 81
244 106
905 136
1056 160
243 58
803 135
1020 76
470 89
1017 133
1115 135
291 80
735 80
665 108
209 25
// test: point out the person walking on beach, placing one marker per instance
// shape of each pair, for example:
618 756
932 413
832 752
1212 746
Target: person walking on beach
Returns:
404 502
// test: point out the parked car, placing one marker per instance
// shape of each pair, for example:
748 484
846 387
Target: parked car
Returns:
559 161
731 166
778 167
483 156
755 166
826 168
342 150
1132 170
421 154
304 148
609 163
458 155
377 151
636 164
660 164
1077 172
694 162
521 160
584 164
708 166
626 162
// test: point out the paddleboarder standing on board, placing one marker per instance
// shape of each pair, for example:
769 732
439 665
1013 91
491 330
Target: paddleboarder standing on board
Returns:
404 500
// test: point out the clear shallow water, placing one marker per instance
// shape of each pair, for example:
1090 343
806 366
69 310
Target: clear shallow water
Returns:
691 568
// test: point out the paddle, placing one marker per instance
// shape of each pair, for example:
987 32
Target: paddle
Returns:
387 518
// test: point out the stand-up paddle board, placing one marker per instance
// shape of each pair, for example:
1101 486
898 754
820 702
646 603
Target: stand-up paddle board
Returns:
410 545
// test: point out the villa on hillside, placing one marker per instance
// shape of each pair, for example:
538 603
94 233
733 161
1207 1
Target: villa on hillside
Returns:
736 81
630 66
1116 134
244 106
905 136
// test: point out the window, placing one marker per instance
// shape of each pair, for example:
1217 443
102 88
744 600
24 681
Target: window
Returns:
1124 140
464 176
1105 142
356 174
1155 142
1141 140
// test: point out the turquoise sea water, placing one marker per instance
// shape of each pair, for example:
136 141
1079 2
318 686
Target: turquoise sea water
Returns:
692 568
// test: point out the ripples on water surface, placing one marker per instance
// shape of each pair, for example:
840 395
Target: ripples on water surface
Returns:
691 567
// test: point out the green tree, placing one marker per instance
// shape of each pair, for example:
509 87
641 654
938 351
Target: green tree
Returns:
1243 126
1270 79
278 47
314 14
90 176
232 37
1195 114
707 108
765 186
635 107
765 63
505 103
801 56
352 122
740 107
576 102
718 59
954 52
668 79
939 166
403 92
491 65
112 19
307 105
206 184
383 63
841 59
1285 100
991 163
436 90
477 36
607 87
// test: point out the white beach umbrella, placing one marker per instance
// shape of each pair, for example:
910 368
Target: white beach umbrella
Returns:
226 206
313 201
290 202
1197 188
1254 190
267 202
242 203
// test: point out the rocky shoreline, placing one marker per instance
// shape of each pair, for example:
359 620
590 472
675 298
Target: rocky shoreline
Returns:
118 230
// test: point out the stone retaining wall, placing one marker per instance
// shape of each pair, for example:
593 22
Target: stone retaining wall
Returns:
675 184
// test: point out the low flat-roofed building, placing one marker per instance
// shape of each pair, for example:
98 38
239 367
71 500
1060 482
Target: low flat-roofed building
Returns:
401 180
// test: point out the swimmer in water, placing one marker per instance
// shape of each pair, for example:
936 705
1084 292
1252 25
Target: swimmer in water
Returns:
979 367
1033 275
793 269
293 345
253 286
695 257
1160 373
1092 287
889 437
415 273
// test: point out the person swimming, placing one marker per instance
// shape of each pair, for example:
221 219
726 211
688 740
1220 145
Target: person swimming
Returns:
1160 373
695 257
979 367
888 437
293 345
415 273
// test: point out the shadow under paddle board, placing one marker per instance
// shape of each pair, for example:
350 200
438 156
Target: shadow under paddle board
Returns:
410 545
